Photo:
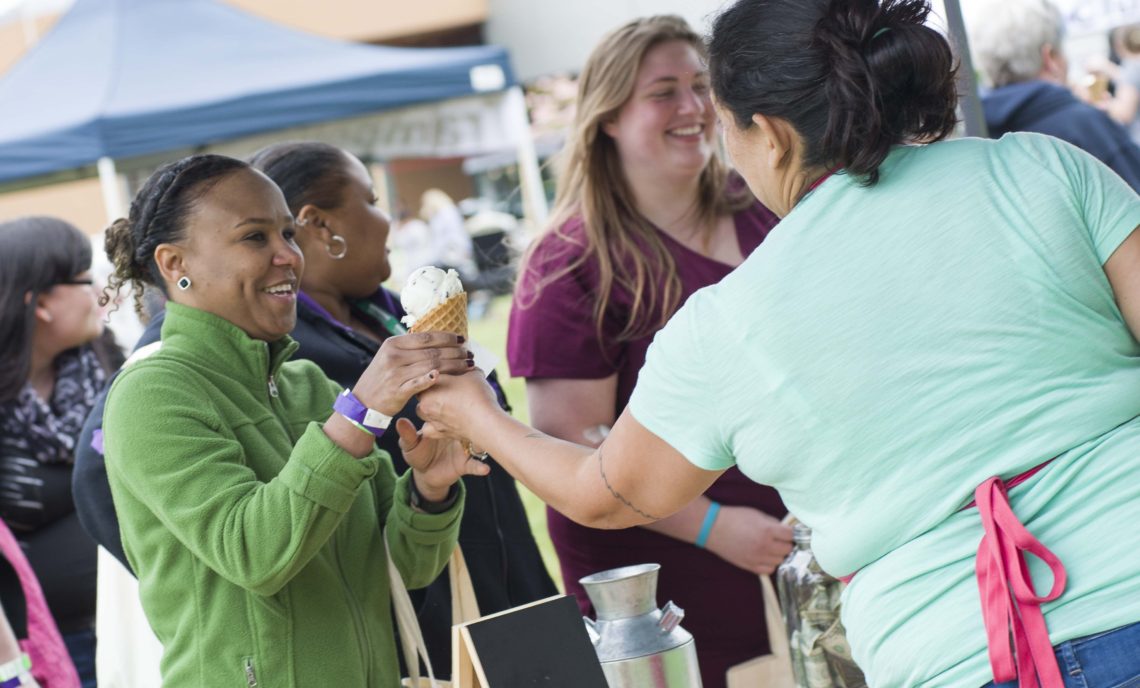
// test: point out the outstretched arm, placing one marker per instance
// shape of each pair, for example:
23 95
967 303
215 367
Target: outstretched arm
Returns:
582 411
631 479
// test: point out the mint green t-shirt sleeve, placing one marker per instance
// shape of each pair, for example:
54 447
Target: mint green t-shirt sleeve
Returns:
1110 208
678 396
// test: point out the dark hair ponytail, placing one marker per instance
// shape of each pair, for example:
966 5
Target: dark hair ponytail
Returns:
853 77
308 173
158 216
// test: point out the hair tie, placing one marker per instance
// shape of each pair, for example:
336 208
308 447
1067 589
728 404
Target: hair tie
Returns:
880 32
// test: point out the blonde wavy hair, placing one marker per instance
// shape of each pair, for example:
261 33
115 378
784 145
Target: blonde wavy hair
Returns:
628 249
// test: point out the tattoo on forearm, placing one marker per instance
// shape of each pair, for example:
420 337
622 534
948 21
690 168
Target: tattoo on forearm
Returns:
617 495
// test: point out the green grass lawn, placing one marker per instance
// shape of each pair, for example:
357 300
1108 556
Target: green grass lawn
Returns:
491 333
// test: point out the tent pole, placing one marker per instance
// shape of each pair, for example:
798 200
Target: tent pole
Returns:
530 176
971 104
114 194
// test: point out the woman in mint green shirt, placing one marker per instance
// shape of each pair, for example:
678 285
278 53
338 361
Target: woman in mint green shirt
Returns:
932 323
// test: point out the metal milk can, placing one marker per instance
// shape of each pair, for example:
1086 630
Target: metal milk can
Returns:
639 645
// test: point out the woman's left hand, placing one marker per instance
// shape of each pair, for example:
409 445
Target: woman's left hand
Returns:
750 539
436 463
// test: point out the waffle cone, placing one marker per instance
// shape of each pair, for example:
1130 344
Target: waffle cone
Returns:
449 316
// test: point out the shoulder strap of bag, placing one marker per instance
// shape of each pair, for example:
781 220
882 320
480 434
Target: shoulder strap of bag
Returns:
411 639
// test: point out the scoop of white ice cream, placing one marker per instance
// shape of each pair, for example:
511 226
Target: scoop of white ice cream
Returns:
427 287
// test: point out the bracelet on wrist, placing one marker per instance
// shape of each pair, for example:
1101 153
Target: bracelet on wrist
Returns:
707 525
421 503
369 420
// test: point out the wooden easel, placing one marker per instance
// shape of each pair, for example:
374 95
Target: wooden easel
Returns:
466 672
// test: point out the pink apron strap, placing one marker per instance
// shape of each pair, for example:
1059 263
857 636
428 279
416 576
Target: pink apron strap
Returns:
1010 605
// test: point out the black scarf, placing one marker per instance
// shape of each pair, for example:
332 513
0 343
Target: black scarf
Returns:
47 431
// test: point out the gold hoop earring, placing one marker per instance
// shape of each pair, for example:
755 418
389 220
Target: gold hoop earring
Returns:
336 238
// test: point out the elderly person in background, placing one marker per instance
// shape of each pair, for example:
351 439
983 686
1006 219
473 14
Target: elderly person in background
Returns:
1017 46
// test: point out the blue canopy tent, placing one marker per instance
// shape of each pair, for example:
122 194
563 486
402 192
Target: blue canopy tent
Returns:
122 80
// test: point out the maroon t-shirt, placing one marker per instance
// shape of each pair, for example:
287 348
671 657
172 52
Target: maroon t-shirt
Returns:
552 335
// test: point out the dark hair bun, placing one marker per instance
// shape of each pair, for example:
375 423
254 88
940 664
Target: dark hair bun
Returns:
853 77
892 80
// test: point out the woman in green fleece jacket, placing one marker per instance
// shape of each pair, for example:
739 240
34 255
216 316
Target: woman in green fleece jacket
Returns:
252 512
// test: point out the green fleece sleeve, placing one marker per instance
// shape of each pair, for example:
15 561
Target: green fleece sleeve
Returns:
175 459
421 543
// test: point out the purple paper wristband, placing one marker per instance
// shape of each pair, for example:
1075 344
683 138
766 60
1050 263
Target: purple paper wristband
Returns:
350 407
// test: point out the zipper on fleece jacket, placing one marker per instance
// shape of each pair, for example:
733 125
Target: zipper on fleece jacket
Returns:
250 674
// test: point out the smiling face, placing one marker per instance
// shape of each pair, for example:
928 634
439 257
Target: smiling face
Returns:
667 125
240 256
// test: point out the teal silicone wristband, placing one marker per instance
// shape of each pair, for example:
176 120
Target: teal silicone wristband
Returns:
706 527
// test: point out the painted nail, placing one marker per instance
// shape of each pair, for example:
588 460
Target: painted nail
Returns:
433 375
470 363
462 339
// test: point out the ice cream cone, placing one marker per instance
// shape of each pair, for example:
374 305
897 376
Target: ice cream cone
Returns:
449 316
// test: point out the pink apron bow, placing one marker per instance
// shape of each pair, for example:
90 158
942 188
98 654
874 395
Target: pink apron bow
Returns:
1010 605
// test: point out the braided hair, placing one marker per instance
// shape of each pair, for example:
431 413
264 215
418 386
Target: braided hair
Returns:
158 216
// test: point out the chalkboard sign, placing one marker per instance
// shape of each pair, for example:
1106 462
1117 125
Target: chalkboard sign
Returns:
542 644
